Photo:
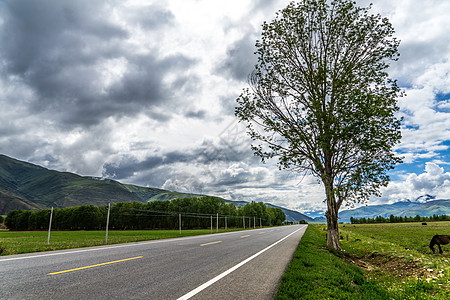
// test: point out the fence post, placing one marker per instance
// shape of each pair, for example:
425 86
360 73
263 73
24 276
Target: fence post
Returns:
260 223
107 223
243 221
211 223
50 226
179 221
225 223
217 223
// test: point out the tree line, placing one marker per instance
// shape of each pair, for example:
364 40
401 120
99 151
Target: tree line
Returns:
397 219
195 213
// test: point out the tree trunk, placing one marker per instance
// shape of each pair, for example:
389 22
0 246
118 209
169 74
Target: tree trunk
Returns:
333 232
332 219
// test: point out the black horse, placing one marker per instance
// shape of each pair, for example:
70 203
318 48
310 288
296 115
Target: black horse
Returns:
439 240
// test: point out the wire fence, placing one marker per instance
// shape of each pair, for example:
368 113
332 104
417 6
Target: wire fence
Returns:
132 216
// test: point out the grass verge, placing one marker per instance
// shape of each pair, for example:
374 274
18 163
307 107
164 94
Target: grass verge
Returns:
318 273
17 242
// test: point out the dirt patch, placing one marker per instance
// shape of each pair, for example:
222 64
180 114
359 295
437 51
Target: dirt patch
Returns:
396 266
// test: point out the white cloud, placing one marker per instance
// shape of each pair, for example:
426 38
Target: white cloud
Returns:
434 181
145 90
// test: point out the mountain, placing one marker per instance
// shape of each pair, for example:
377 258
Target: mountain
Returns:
27 186
292 215
425 205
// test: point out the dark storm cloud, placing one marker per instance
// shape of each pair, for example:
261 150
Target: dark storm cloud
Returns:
200 114
40 35
142 84
240 60
59 49
205 156
228 103
18 146
128 166
416 56
151 17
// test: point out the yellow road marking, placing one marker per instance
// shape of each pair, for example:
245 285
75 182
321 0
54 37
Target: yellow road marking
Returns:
92 266
244 236
211 243
262 232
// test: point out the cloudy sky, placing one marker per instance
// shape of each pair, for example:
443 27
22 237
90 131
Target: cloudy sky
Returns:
144 92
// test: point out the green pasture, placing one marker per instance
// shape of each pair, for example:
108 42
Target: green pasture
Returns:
16 242
379 261
398 257
315 272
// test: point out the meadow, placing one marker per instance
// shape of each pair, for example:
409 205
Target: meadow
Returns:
379 261
397 256
17 242
317 272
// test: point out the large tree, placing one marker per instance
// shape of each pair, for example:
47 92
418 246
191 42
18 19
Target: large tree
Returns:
321 101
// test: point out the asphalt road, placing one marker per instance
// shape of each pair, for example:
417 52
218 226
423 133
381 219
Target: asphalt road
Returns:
236 265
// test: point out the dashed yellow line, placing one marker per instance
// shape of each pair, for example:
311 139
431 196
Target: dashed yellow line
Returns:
211 243
244 236
262 232
92 266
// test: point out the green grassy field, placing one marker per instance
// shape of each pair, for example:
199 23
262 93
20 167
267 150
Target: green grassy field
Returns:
16 242
318 273
398 257
380 261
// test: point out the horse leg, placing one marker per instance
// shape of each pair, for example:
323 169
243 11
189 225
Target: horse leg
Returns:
440 250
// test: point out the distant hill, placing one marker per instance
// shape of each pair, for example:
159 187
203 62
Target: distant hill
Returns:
292 215
423 206
27 186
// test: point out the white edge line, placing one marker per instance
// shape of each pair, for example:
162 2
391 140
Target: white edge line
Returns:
220 276
131 244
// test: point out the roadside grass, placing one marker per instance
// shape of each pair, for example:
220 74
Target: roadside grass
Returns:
397 256
318 273
17 242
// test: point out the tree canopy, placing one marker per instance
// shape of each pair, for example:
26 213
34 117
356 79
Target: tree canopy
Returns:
321 101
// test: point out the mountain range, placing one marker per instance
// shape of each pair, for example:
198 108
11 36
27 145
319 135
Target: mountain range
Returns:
27 186
424 206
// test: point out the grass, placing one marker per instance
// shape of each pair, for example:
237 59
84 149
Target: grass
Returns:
380 261
17 242
398 258
318 273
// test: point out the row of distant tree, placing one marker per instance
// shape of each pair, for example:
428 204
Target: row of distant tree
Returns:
396 219
195 213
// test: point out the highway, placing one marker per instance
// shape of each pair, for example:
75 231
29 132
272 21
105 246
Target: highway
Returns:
235 265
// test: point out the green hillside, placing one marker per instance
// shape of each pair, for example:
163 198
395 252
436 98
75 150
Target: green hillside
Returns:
27 186
10 201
